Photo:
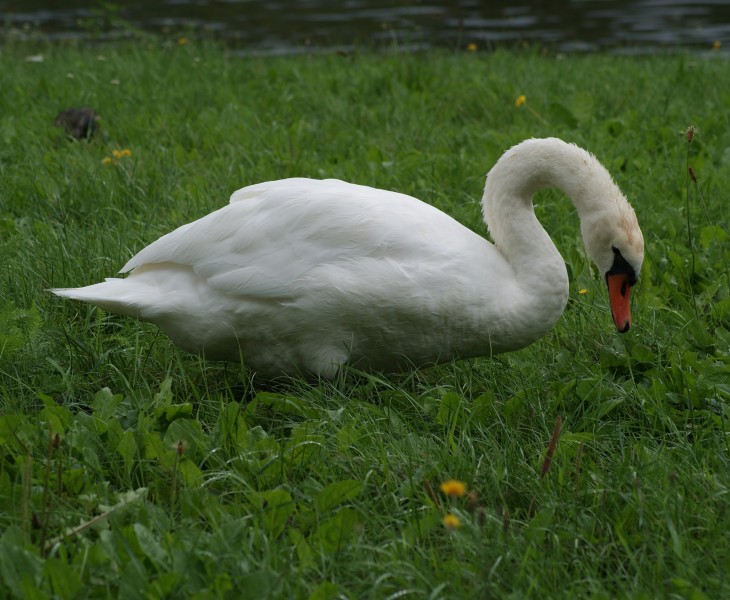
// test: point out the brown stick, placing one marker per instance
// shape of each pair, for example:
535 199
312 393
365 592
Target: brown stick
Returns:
551 447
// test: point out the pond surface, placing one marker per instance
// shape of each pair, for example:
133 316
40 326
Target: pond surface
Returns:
289 26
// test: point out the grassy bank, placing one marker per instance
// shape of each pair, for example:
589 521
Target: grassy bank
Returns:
130 468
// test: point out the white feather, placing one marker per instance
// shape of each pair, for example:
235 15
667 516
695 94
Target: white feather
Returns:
303 275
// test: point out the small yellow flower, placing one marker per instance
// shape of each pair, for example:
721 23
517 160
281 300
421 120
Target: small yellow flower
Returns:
453 488
107 160
451 521
520 100
182 41
472 47
583 291
121 153
716 45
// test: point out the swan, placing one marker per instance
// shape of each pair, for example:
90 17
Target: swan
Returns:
300 276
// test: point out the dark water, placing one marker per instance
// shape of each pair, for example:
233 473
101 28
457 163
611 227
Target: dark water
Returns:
282 26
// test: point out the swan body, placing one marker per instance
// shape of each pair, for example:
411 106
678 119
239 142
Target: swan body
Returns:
303 276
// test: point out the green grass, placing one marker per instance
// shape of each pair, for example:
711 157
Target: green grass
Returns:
332 490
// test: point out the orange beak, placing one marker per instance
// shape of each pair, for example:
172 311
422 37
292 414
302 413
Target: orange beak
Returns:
619 291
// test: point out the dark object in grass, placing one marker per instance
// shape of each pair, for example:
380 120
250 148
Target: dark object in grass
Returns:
79 123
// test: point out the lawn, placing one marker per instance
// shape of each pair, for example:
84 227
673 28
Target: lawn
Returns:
596 465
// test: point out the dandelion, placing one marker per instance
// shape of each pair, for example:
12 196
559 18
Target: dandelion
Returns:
451 521
116 156
691 130
716 45
471 47
520 100
182 41
453 488
583 291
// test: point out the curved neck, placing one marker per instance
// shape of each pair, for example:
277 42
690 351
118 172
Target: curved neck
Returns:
508 211
528 167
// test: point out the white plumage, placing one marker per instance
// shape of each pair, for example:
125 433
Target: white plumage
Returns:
302 275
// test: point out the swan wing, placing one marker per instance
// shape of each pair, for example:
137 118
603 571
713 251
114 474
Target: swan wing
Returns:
276 239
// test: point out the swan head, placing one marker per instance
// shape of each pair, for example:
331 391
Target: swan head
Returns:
614 242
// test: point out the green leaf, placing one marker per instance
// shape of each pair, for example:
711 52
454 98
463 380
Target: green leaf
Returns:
562 114
171 412
150 546
127 448
333 534
420 526
607 406
538 525
105 403
325 591
276 507
287 405
712 234
188 431
513 407
164 396
303 549
450 413
134 581
306 442
20 569
65 583
17 327
583 106
483 407
58 417
13 429
721 309
347 437
232 424
190 472
337 493
259 584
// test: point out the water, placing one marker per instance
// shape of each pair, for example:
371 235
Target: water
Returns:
290 26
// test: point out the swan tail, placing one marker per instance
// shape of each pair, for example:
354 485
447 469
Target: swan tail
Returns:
113 295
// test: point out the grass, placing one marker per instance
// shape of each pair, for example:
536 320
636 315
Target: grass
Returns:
130 469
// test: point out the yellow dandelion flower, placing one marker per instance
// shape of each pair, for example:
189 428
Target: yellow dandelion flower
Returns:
451 521
121 153
107 160
472 47
520 100
453 488
182 41
716 45
583 291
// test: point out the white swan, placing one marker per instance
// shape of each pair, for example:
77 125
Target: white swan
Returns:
302 275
